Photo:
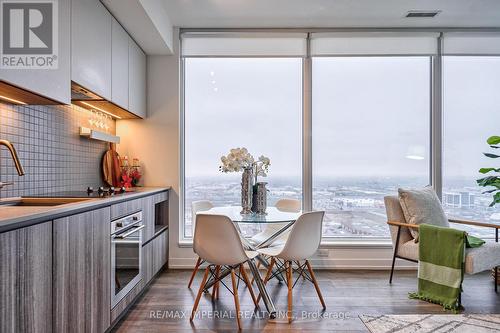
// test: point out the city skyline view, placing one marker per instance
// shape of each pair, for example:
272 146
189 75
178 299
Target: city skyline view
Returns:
232 102
354 207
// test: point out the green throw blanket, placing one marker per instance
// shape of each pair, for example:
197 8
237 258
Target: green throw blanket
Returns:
440 265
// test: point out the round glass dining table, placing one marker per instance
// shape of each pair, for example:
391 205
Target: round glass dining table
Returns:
273 215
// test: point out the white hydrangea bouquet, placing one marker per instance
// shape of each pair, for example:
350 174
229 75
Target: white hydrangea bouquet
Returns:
239 159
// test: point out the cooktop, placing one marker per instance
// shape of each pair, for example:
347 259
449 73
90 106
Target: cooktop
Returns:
89 193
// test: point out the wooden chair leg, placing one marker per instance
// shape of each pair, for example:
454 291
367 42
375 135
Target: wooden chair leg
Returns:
290 286
200 292
215 290
236 299
198 263
258 267
268 274
316 285
249 285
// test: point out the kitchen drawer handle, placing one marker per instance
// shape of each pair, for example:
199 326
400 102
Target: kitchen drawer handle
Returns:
134 230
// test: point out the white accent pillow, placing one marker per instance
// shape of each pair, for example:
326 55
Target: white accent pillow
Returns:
422 206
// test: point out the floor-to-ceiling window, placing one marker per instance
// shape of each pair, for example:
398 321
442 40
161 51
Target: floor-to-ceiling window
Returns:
371 112
471 115
370 136
371 104
246 101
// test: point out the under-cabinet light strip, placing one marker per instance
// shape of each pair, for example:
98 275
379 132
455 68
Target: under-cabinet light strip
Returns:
97 108
12 100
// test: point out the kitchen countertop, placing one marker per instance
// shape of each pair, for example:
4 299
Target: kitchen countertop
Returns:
15 217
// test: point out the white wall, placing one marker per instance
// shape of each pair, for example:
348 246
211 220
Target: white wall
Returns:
156 142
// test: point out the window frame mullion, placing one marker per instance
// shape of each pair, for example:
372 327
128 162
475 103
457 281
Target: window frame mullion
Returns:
307 128
436 121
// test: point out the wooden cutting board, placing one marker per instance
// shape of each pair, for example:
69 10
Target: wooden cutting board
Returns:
111 166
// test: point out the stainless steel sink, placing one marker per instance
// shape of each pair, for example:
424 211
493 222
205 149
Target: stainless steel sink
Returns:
38 202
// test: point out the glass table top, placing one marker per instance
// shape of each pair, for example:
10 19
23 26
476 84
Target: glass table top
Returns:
273 215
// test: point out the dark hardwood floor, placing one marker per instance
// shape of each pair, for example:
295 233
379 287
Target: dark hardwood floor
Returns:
347 294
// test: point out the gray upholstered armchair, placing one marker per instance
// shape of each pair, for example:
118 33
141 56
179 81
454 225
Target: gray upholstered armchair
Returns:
478 259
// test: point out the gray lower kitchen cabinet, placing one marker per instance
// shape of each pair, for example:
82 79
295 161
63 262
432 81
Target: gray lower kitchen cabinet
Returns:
147 263
160 251
154 256
56 276
81 274
125 208
148 218
26 279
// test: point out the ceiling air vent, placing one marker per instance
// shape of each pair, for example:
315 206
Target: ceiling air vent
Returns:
422 13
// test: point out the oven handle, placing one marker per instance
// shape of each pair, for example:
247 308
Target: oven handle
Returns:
134 230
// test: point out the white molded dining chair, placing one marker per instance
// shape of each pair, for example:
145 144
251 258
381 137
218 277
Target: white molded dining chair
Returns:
217 242
196 207
285 205
303 241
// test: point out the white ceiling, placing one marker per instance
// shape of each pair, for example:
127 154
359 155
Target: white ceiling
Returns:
330 13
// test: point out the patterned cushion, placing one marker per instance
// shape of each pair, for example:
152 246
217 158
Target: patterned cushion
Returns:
422 206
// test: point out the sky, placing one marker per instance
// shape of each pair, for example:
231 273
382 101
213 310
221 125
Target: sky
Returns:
471 112
369 114
252 103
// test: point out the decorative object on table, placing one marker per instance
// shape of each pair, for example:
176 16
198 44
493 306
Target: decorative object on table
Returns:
493 180
111 166
259 205
246 191
239 159
426 323
261 167
130 173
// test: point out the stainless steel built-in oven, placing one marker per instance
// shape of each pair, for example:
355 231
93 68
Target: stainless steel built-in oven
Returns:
126 247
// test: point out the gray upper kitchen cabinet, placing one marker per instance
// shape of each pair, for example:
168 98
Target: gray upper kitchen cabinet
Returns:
119 65
26 279
52 83
82 271
91 26
137 80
